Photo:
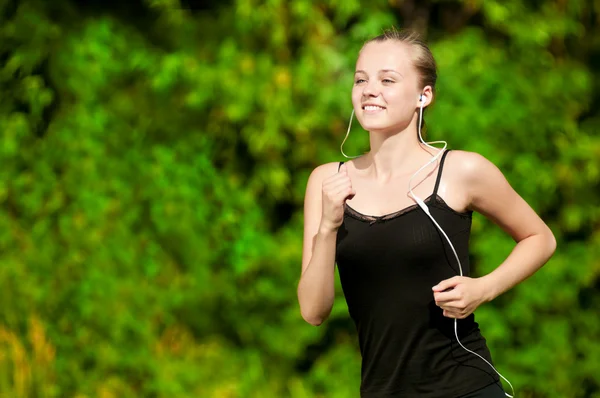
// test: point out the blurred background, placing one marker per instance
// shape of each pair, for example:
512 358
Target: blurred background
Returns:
153 161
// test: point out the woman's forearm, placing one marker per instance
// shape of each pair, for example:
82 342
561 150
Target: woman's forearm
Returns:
316 290
529 255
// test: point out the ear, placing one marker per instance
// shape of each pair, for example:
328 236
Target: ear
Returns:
426 95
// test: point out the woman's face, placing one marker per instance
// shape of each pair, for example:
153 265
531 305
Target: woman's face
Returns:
385 93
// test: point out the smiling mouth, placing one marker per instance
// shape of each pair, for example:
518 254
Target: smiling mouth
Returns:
373 108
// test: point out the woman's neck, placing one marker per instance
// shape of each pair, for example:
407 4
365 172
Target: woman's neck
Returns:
394 155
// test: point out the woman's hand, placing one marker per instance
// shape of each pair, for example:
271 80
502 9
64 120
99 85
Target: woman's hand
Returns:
336 190
460 296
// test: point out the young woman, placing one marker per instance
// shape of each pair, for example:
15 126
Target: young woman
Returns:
400 276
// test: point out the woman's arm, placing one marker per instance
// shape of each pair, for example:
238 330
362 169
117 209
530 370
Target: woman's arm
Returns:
491 195
326 193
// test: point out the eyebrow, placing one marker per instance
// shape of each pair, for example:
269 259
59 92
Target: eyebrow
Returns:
383 70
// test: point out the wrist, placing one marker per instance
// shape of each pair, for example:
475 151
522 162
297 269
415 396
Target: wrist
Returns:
325 229
489 288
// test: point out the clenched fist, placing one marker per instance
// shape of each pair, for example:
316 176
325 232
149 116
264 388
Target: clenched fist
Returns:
336 190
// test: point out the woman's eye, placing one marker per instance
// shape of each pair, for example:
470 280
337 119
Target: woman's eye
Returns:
387 81
359 81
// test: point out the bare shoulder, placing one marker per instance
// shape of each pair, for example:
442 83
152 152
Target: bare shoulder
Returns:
484 185
471 167
326 168
478 179
490 194
322 172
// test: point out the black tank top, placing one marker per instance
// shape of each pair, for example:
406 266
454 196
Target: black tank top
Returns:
387 267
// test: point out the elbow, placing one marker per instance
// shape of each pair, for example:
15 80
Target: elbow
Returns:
313 319
551 244
548 246
313 312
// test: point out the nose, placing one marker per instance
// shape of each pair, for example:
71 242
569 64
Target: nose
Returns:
370 89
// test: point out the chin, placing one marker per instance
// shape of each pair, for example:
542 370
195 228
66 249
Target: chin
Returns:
375 127
383 125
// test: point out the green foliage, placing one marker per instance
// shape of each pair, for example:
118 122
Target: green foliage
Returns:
154 160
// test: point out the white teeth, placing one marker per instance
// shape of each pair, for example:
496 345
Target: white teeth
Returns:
373 108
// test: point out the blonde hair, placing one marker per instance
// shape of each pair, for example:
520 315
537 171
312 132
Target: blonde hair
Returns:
422 57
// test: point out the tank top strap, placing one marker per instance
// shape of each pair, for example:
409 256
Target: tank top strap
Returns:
340 165
439 175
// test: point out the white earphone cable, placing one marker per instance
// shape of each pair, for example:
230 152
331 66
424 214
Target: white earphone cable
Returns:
346 137
423 206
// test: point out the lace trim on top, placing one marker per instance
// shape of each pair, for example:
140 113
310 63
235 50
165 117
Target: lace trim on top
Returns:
431 199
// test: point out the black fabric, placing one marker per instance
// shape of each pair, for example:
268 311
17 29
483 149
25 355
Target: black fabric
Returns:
387 267
492 391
